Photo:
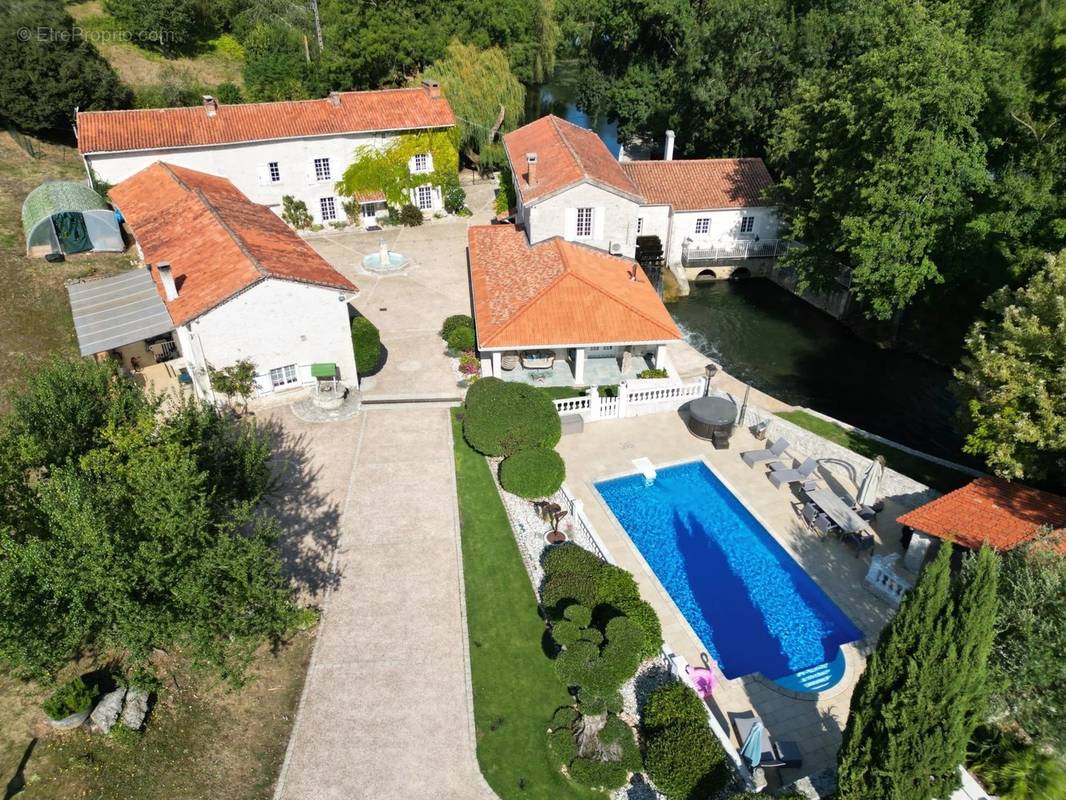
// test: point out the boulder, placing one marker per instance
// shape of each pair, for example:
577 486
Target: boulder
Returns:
105 715
135 709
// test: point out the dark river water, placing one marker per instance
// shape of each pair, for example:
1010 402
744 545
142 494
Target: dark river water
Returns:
768 337
771 339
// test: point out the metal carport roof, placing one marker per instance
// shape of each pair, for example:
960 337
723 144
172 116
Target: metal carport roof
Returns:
116 311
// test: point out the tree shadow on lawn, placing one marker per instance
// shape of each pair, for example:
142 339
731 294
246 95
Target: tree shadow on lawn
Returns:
308 517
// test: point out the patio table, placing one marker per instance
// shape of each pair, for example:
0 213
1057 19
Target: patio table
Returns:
838 511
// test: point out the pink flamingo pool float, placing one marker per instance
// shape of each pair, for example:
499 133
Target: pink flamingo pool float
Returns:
703 679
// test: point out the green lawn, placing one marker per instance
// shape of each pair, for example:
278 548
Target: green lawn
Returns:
939 477
515 687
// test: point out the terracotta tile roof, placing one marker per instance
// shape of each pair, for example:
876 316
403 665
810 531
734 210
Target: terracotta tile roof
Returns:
356 112
218 242
706 183
566 154
558 293
990 510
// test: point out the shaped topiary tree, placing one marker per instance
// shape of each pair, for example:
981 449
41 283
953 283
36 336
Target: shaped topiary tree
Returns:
503 418
366 341
536 472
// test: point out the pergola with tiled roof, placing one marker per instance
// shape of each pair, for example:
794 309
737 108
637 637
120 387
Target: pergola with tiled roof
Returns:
990 511
559 294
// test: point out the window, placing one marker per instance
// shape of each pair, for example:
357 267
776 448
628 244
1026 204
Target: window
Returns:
321 169
275 172
328 207
640 225
584 223
421 162
747 224
703 225
283 376
425 197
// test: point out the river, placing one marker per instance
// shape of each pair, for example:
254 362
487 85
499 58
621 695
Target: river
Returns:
768 337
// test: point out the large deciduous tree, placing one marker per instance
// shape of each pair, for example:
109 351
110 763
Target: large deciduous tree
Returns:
46 69
1012 379
881 156
135 530
923 689
486 97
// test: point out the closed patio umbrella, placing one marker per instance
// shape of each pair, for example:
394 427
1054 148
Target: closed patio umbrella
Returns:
752 748
871 482
743 406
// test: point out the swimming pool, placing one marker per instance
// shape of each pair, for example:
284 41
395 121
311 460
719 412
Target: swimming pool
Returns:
753 607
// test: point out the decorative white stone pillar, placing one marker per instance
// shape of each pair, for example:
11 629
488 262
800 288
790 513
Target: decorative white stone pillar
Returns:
623 400
660 357
919 549
497 360
579 365
594 403
486 367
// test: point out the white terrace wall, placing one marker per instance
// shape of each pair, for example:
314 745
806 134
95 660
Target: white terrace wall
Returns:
724 227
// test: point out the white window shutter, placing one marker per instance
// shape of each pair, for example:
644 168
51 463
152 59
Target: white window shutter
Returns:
414 196
597 223
263 173
570 227
411 165
438 200
429 162
311 179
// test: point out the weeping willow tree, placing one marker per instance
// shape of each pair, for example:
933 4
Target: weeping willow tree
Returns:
484 93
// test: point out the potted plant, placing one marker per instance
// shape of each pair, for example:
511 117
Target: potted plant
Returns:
553 513
70 704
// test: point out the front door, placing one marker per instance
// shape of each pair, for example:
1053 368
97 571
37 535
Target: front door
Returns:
370 215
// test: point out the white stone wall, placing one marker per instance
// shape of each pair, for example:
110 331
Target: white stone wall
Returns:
245 164
614 217
724 227
273 324
656 222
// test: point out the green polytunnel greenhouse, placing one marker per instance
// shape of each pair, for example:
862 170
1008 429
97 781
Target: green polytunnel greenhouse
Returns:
68 217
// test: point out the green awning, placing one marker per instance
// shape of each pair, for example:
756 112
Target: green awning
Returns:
323 370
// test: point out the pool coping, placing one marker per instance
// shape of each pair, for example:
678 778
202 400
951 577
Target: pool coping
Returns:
852 650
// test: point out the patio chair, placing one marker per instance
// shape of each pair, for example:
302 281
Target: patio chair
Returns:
860 541
774 753
779 475
825 526
809 511
775 450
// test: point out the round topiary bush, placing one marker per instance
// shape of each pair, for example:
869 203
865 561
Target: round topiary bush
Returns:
672 704
647 620
461 339
453 322
569 557
366 342
533 473
502 418
685 761
411 216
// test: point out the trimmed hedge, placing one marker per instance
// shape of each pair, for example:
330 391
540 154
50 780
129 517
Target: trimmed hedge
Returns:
647 620
574 575
453 322
682 757
598 669
533 473
461 338
366 342
502 418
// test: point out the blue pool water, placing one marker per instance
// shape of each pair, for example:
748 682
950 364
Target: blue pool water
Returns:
751 604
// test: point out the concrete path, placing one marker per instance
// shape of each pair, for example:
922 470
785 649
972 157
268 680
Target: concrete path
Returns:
387 709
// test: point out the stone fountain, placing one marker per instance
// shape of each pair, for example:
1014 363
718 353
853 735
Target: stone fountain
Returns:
384 260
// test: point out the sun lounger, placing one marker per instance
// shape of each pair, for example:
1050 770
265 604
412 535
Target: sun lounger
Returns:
780 475
774 753
753 457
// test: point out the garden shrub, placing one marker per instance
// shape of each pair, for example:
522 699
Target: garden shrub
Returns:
600 763
603 775
454 198
366 341
569 557
610 390
563 589
295 212
601 669
461 339
562 746
503 418
533 473
73 697
653 373
647 620
453 322
228 93
686 762
615 585
581 616
592 704
672 704
411 216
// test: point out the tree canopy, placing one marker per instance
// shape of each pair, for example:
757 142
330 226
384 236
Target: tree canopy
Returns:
924 687
1012 379
47 69
488 100
123 530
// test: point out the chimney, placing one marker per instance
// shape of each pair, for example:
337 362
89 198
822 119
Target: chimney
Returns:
531 168
432 88
170 289
211 105
668 151
335 99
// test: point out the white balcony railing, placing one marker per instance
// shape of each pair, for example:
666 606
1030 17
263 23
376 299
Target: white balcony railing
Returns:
692 253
